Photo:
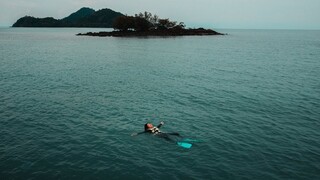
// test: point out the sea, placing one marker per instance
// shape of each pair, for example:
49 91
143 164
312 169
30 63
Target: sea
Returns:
250 100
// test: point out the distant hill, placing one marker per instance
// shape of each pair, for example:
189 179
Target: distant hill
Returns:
84 17
77 16
29 21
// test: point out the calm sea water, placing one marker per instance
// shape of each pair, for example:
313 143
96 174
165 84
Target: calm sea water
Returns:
68 105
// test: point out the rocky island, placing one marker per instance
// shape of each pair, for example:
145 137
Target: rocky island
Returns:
168 32
146 24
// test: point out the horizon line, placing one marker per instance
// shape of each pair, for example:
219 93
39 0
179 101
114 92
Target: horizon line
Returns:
229 28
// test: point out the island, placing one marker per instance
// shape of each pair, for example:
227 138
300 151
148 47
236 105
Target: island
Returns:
146 24
142 24
169 32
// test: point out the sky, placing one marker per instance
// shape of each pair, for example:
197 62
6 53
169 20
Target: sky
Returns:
236 14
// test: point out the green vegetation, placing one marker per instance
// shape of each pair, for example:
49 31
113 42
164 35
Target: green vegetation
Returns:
144 22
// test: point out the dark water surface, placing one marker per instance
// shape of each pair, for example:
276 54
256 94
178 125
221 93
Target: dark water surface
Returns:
68 105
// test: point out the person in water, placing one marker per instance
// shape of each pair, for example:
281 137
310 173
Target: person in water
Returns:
149 128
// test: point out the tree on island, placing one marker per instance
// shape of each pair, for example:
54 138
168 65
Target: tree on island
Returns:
144 22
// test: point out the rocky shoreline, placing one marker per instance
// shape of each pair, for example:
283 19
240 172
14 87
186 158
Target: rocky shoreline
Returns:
168 32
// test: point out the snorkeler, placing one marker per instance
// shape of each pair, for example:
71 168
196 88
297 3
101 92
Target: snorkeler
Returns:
149 128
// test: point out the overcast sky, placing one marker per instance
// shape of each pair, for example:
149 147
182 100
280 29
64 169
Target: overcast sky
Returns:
247 14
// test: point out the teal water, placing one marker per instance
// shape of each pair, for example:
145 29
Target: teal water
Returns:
69 104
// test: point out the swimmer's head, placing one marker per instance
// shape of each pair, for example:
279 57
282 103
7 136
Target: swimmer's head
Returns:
148 126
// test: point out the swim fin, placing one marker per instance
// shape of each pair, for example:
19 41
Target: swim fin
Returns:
184 144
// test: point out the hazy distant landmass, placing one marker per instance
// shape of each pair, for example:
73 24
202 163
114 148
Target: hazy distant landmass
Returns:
85 17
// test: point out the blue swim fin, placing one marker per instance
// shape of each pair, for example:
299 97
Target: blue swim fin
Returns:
184 144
